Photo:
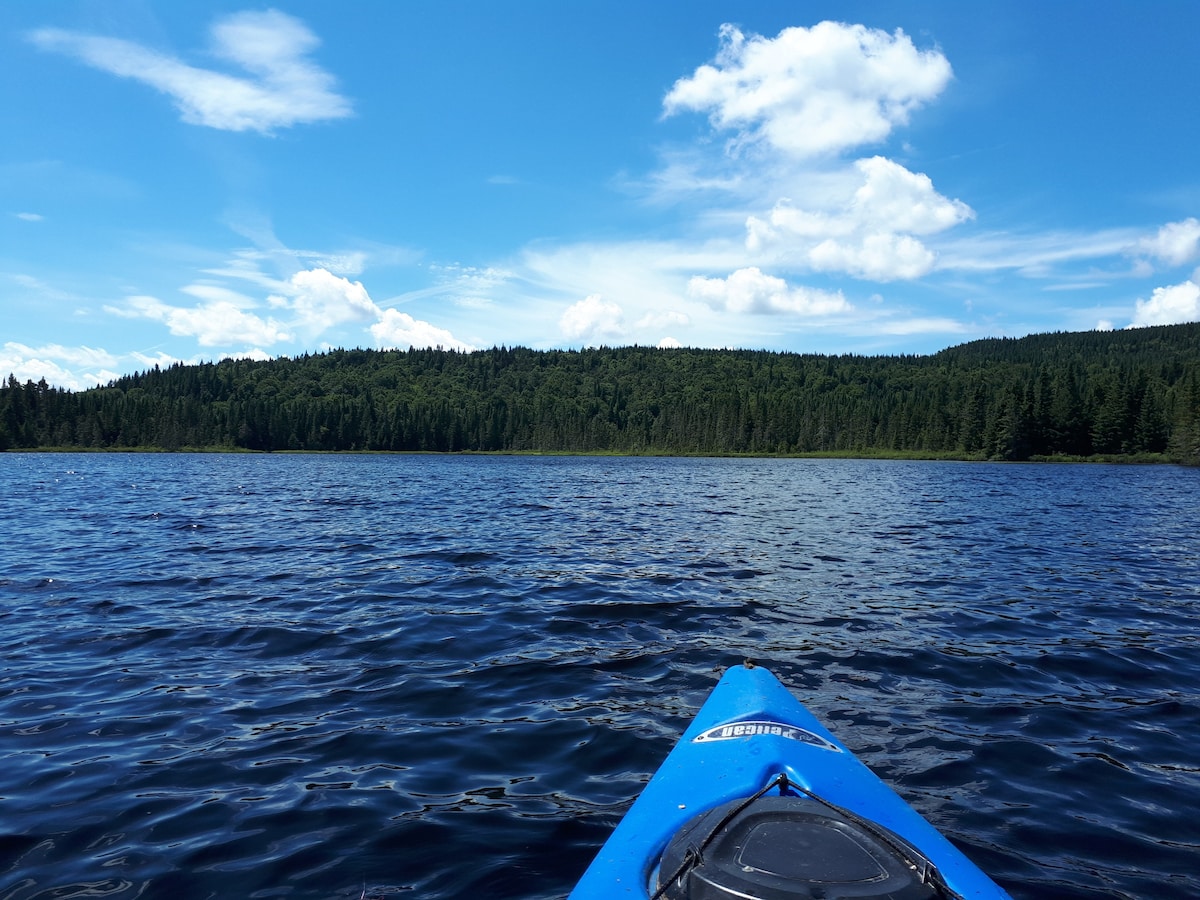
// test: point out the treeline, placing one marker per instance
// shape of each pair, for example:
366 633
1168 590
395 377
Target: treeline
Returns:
1118 393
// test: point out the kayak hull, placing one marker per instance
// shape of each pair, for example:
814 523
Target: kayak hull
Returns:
750 731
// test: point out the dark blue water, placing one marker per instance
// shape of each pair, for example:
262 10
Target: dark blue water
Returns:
302 676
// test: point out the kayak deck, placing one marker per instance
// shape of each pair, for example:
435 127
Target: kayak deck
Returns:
752 737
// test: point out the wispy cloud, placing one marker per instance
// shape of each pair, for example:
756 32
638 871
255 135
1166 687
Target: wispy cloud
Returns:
472 287
790 230
41 289
800 219
780 209
282 87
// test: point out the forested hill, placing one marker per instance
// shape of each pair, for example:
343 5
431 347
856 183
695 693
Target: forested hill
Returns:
1131 392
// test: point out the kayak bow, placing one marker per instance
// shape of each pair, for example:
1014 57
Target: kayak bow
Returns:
760 801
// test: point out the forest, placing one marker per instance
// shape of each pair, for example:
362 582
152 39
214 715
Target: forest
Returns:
1132 394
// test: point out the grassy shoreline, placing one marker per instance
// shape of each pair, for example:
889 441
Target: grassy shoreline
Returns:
868 454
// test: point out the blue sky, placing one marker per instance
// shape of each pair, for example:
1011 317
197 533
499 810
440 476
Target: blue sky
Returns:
190 181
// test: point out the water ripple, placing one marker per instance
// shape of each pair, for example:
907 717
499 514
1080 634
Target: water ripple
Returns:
294 676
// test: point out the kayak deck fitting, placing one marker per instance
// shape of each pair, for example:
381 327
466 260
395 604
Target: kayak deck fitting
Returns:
759 801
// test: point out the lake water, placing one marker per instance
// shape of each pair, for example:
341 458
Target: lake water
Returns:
439 677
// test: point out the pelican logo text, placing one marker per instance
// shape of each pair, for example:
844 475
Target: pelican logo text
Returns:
735 730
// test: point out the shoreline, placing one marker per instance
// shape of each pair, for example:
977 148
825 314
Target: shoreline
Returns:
1141 459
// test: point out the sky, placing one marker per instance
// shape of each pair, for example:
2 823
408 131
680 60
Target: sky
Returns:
195 181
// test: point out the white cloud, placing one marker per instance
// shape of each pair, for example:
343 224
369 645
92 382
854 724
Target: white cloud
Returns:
322 300
812 91
799 100
471 286
1176 243
253 353
1037 254
649 270
1169 306
399 329
76 356
691 170
212 324
162 360
310 303
868 234
349 263
878 257
215 293
246 265
663 319
592 318
749 290
269 252
284 89
895 199
792 106
906 325
75 368
46 292
30 217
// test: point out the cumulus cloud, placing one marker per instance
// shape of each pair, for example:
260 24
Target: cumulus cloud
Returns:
871 233
878 257
75 368
750 290
592 318
399 329
1169 306
799 100
1176 243
213 323
310 304
283 88
321 300
893 198
812 91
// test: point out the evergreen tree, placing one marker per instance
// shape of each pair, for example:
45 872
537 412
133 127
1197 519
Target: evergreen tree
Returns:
1094 392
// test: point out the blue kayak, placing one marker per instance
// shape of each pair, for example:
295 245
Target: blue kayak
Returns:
759 801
